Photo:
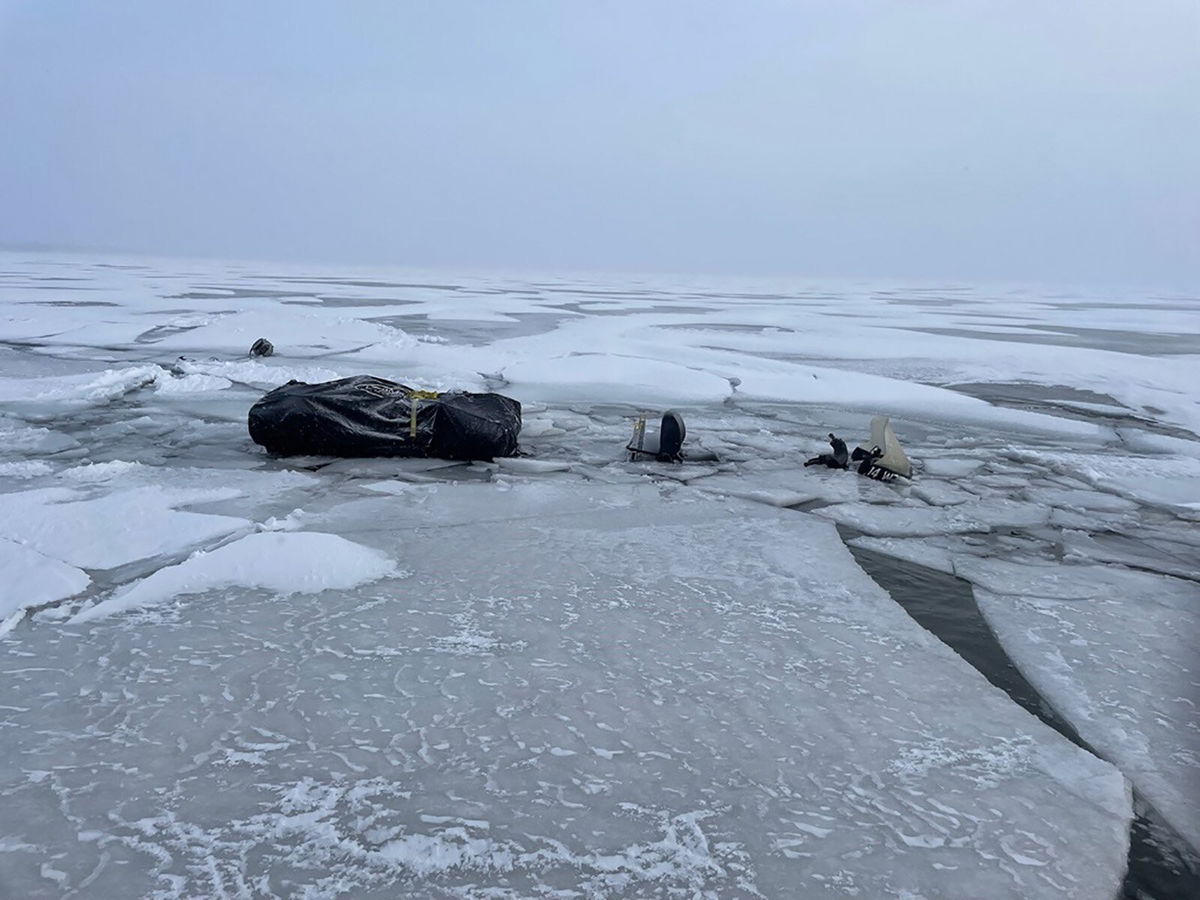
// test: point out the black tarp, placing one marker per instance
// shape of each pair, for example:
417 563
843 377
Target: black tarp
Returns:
367 416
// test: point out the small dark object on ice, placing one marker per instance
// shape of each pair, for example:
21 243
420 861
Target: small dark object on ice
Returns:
836 460
367 416
667 445
262 347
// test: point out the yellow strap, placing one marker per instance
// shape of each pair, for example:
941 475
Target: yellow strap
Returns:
414 397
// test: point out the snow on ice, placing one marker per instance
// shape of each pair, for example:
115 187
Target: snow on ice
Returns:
283 563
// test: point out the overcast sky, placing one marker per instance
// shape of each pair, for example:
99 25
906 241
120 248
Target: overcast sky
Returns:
1015 139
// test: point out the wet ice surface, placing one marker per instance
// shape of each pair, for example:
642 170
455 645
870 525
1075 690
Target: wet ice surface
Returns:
229 674
596 715
1119 660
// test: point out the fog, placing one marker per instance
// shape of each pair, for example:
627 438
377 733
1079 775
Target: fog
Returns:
985 140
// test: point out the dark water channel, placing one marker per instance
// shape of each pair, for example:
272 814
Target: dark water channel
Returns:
1161 866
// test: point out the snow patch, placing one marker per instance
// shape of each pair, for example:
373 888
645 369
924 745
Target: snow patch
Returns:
283 562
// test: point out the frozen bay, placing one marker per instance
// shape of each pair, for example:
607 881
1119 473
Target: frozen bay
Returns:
571 673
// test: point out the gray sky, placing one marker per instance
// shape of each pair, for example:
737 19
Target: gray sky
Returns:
1018 139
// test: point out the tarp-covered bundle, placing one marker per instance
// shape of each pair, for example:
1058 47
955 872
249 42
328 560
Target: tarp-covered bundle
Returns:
367 416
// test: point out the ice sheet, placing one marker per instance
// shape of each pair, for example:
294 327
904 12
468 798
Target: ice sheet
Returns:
1165 550
108 436
615 379
88 388
873 345
1110 649
1099 501
26 468
937 493
1172 481
32 579
922 552
532 466
951 466
910 521
787 486
19 438
647 360
259 373
1114 652
282 562
549 702
290 328
113 529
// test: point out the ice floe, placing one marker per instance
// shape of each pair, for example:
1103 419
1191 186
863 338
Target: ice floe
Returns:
600 677
600 688
113 529
1114 652
33 579
282 562
906 521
